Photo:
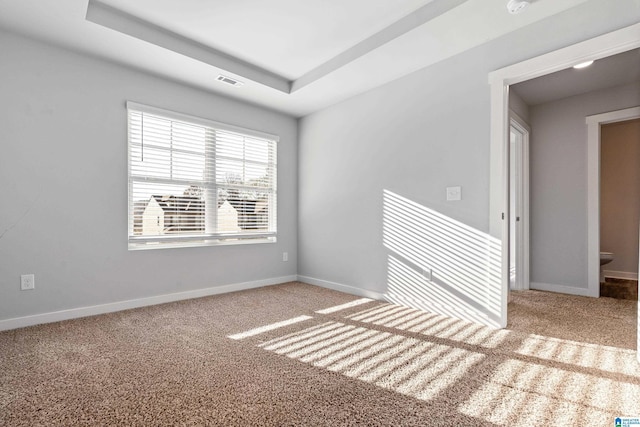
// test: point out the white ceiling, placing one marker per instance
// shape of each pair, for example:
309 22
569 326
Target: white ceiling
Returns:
286 37
616 70
293 56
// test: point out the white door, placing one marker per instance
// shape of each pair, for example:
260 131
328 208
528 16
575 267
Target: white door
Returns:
518 212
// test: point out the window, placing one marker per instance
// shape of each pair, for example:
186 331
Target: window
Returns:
197 182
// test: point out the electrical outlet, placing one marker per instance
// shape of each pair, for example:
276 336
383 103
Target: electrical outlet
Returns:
285 256
27 282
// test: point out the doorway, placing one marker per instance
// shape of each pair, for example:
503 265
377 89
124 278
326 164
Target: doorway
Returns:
594 124
600 47
619 208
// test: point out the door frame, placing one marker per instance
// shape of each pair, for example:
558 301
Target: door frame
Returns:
612 43
522 237
594 124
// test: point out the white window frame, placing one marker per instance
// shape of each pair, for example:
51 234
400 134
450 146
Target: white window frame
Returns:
207 238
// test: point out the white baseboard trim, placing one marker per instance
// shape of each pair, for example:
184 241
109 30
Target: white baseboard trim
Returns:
572 290
620 275
74 313
342 288
449 311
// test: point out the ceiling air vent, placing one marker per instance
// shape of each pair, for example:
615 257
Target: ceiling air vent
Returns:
517 6
229 81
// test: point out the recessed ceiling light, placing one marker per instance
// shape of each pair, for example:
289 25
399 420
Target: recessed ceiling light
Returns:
517 6
582 65
229 80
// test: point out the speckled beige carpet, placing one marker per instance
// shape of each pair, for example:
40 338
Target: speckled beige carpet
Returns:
295 354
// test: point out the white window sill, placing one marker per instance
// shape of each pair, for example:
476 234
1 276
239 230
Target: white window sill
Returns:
143 246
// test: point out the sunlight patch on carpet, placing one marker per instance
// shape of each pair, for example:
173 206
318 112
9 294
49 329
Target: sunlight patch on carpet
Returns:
538 392
341 307
605 358
270 327
430 324
406 365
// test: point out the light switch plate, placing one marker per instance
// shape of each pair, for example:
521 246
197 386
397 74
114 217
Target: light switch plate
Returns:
454 193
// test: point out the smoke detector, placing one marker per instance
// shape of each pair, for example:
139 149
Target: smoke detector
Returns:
229 81
517 6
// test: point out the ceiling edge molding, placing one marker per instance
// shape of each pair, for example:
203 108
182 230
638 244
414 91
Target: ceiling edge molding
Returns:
122 22
410 22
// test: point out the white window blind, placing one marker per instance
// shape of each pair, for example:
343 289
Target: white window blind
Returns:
193 181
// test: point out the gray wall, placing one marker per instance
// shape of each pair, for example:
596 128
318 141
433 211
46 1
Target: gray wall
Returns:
558 193
63 185
373 172
620 194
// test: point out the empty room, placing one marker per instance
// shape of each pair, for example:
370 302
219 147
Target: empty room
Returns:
319 213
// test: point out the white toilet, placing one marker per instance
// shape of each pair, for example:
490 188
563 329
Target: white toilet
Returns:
605 258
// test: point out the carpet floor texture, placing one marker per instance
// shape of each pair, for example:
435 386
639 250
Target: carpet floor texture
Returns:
300 355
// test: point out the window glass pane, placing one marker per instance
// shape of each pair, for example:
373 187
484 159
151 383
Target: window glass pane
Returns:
229 172
257 150
243 211
188 166
155 131
163 209
229 145
257 175
188 137
240 173
151 162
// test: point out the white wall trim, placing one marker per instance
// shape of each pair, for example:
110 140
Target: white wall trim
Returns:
612 43
614 116
593 188
74 313
342 288
449 311
572 290
522 122
626 275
